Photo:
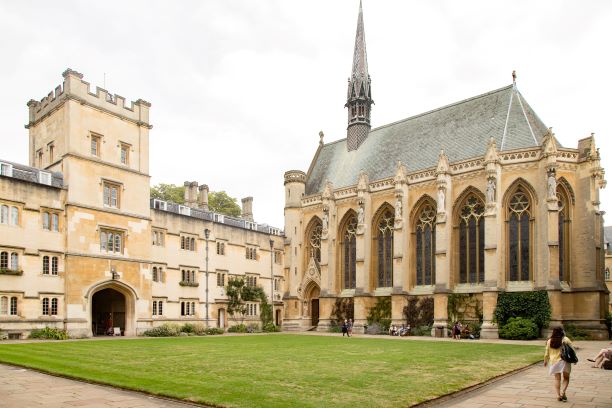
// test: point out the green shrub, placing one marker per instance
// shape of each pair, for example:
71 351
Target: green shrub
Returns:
519 328
211 331
575 333
253 328
335 329
165 330
419 311
49 333
530 305
271 328
188 328
420 331
239 328
379 316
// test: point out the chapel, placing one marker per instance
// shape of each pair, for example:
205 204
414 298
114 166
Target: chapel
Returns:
474 198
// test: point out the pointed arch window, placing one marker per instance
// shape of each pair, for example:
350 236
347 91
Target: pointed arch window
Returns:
383 228
519 236
314 242
471 240
425 246
349 252
564 234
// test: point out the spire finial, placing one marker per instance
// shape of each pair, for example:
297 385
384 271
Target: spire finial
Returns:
321 135
514 76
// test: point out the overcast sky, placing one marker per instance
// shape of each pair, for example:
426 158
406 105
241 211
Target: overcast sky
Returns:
240 88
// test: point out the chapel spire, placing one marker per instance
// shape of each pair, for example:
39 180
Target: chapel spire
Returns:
359 95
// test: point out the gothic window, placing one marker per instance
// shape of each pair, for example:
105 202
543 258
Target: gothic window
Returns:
519 236
564 234
4 214
3 305
471 240
45 306
383 247
314 241
348 252
4 263
14 216
54 307
425 231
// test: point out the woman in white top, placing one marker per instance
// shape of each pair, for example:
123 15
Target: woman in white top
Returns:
552 359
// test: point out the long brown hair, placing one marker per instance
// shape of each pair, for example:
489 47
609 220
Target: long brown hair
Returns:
556 338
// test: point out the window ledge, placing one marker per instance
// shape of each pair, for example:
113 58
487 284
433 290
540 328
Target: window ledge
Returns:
7 271
194 284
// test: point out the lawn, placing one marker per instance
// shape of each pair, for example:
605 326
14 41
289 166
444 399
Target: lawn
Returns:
278 370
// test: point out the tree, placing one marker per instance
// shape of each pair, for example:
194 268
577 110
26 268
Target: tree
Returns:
220 202
238 293
169 192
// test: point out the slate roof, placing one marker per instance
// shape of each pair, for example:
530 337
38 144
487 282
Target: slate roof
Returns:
32 174
462 130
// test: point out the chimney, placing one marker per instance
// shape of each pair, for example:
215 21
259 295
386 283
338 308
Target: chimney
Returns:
203 197
191 193
247 208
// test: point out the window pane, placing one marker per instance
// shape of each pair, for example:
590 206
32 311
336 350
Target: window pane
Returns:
381 260
113 197
481 242
118 243
160 307
14 215
103 241
14 261
3 305
513 247
472 249
388 259
45 265
427 266
54 222
45 306
54 306
419 257
13 306
154 308
462 252
4 214
106 198
46 220
109 243
4 260
54 265
525 246
353 262
561 247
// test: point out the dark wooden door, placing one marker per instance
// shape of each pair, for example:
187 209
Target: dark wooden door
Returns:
315 312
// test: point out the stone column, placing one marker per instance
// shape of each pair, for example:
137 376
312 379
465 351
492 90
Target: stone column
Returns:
363 240
400 237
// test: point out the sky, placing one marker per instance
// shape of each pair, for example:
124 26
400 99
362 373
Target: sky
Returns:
240 88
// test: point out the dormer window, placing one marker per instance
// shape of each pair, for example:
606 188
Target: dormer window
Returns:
44 177
6 169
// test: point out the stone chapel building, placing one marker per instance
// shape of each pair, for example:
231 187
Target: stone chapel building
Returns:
83 248
476 197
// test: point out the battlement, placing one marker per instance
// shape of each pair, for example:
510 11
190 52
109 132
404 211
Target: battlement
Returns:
75 88
295 176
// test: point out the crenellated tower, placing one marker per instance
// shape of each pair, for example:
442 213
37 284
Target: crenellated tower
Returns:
359 95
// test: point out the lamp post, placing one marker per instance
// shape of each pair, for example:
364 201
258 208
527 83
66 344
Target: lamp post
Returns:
206 235
272 278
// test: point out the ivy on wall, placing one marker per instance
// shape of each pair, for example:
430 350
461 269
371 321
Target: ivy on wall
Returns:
530 305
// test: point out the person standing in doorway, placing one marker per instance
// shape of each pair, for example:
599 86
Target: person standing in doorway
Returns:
558 367
349 327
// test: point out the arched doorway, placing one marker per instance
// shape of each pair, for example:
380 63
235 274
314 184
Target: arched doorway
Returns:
112 303
108 310
311 303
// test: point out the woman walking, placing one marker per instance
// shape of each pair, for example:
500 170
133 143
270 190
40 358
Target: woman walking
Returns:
558 367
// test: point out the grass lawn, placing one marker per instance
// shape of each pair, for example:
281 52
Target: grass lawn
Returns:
279 370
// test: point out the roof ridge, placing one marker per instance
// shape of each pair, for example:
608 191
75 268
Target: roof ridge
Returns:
444 107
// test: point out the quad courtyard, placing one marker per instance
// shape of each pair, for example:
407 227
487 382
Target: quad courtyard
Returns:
298 370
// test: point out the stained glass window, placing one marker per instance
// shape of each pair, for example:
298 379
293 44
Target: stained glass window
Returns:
426 245
564 235
349 252
519 237
384 248
471 240
314 242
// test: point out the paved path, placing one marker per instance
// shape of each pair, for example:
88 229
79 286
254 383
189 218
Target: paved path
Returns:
589 388
23 388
